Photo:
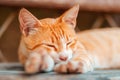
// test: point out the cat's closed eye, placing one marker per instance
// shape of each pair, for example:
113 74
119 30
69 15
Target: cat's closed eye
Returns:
50 45
69 42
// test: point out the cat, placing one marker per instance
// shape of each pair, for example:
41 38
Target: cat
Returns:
52 44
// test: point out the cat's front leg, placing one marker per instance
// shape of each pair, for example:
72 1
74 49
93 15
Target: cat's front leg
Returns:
38 62
80 63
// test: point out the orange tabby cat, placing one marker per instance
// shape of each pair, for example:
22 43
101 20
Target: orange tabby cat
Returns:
52 44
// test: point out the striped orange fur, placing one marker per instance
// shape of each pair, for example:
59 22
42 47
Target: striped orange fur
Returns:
52 44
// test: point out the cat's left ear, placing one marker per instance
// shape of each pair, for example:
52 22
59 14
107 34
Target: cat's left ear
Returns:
71 15
28 22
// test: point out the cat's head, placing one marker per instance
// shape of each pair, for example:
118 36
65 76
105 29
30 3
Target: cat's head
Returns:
55 35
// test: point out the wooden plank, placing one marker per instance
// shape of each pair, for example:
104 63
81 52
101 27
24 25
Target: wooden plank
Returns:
14 71
86 5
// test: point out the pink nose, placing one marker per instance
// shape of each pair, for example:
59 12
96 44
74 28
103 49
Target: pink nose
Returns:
63 58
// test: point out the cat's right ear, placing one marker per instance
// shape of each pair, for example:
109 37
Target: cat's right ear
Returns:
28 22
70 16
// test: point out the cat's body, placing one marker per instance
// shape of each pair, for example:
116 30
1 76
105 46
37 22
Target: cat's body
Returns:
103 45
52 44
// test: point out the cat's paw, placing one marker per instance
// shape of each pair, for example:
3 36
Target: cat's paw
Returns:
39 62
73 67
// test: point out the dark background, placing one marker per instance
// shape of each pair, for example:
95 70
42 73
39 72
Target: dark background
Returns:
10 40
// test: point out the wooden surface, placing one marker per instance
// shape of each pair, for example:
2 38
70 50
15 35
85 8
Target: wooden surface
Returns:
86 5
15 71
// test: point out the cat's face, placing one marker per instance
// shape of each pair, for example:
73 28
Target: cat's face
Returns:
55 36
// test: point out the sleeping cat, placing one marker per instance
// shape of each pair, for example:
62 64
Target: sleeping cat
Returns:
52 44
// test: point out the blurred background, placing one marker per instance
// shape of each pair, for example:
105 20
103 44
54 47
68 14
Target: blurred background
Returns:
93 14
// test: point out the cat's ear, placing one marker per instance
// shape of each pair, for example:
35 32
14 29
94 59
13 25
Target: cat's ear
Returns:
27 22
71 15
